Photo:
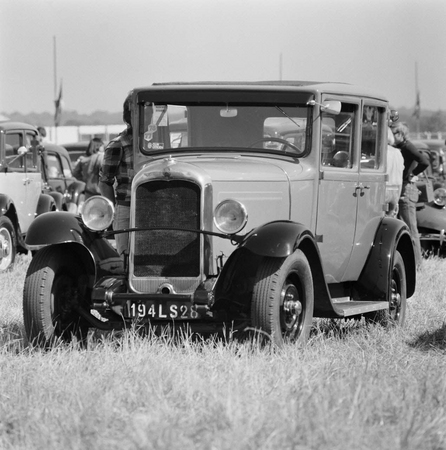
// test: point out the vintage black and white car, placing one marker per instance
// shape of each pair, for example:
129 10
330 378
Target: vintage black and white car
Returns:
255 206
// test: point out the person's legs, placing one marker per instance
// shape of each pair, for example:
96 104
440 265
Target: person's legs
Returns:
122 220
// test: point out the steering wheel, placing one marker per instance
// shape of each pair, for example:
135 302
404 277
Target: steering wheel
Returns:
284 142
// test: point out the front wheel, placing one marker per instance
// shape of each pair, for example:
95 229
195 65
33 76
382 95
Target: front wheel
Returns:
283 299
7 244
52 293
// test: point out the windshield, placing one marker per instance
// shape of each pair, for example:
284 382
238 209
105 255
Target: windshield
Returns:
271 128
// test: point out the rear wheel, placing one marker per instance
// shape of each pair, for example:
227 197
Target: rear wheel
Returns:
397 297
52 293
7 244
283 300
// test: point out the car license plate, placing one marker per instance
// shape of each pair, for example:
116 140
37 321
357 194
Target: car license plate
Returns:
153 310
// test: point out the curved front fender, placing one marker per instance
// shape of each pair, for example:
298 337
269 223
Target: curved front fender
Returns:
55 228
276 239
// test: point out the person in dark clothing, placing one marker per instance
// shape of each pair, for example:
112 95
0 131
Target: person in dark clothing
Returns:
414 163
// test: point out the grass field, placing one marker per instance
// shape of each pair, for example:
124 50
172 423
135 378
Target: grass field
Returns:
352 387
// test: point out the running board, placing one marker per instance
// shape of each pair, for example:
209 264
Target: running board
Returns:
353 308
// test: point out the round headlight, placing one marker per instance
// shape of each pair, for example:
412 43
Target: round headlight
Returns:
97 213
230 216
440 196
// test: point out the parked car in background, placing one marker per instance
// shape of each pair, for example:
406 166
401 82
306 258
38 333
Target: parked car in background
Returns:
232 225
75 150
431 206
59 180
21 188
437 149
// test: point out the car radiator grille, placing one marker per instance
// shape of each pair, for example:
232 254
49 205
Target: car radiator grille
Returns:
167 253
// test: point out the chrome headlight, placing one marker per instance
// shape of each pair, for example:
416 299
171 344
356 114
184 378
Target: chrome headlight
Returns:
230 216
97 213
440 196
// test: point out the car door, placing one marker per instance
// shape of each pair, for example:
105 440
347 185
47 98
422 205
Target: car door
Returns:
338 188
371 183
22 180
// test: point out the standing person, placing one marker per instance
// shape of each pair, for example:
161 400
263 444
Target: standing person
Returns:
87 167
395 168
414 163
116 177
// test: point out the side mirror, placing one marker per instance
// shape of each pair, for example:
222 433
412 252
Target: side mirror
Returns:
332 107
329 106
22 150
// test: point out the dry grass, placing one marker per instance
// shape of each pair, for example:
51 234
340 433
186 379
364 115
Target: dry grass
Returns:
352 387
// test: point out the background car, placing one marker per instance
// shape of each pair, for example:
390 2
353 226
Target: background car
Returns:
431 206
58 178
76 149
437 149
22 196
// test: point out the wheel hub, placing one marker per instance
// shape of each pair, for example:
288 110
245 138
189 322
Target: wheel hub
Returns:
5 248
292 309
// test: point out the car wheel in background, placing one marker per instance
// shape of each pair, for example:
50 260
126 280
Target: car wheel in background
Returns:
7 244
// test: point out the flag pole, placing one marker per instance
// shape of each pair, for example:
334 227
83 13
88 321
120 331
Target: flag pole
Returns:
55 84
417 112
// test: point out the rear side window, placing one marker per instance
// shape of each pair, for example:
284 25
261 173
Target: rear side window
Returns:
372 126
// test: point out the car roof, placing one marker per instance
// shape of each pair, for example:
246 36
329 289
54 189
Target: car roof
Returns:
420 144
434 143
10 125
266 86
76 145
57 149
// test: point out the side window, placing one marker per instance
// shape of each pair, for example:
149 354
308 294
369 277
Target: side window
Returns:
14 160
54 167
31 142
338 137
66 167
370 155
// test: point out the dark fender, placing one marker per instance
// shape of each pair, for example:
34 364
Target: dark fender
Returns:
277 239
46 203
75 189
58 199
64 228
374 280
56 227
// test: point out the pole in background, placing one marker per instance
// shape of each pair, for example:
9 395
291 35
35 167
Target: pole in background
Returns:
417 110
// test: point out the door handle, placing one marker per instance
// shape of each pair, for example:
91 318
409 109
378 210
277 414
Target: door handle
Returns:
362 188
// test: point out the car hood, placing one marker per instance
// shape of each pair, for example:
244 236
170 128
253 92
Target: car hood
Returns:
227 168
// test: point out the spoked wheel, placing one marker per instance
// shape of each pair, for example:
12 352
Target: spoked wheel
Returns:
283 300
396 313
7 244
52 293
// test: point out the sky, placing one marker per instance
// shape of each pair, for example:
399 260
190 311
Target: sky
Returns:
98 50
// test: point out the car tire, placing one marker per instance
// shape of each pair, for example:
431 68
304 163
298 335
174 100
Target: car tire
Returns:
395 315
51 294
283 299
8 243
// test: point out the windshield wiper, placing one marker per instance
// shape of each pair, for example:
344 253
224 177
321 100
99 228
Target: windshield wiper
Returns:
287 116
